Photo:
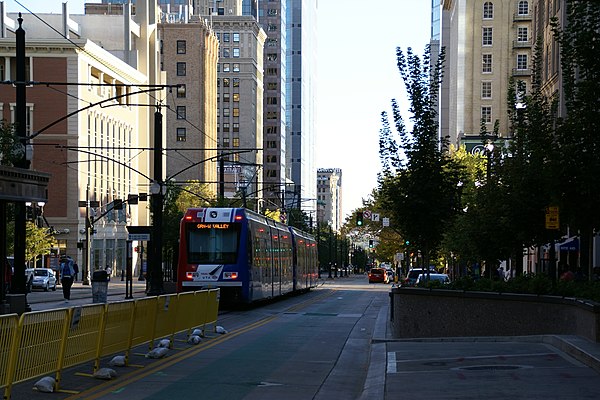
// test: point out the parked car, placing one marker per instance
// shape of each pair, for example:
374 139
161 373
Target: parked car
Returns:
378 275
413 274
443 278
43 278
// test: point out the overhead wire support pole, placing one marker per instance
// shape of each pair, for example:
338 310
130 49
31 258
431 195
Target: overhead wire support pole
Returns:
19 284
156 205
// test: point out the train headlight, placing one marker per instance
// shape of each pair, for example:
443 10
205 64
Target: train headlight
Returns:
230 275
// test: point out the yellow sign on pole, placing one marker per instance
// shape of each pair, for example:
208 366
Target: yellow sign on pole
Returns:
552 218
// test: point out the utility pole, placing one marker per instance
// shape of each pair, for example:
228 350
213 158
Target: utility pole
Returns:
156 206
221 180
88 240
18 283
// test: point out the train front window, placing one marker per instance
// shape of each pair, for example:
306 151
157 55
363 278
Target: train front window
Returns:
210 243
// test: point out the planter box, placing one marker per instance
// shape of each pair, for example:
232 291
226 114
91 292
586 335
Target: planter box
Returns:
417 312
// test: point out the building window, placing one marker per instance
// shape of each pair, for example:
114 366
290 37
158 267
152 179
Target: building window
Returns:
236 67
236 97
226 53
28 116
226 67
236 82
180 69
226 97
271 57
236 37
272 11
181 91
226 82
486 60
486 114
522 34
271 28
226 112
272 129
523 8
181 112
488 10
521 61
181 135
236 112
236 127
272 71
271 173
271 115
271 159
226 142
272 42
486 90
226 129
487 38
236 142
225 37
181 47
271 144
272 85
236 52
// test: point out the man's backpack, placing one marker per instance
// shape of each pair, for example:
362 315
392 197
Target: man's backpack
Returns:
65 270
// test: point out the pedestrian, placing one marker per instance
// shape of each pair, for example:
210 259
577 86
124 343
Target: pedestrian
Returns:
66 273
75 271
108 272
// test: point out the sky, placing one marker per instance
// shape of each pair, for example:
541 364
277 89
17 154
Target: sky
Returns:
357 79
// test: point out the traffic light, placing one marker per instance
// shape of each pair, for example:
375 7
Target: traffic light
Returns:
370 243
359 218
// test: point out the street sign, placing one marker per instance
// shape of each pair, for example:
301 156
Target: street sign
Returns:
552 218
386 221
375 217
367 214
143 237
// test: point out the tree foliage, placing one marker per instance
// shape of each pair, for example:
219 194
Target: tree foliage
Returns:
418 183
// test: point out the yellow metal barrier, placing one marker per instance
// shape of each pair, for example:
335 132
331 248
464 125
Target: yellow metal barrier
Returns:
8 336
143 321
39 347
166 313
212 306
44 342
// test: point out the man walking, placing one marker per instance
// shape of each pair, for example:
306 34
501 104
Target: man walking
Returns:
67 273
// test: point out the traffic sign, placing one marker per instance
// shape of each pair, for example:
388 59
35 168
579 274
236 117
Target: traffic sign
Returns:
143 237
552 218
367 214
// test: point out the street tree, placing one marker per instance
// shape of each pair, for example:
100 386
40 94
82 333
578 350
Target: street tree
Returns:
577 137
418 183
38 242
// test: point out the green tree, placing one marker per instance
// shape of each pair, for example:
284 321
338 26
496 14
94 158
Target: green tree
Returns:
9 144
38 242
578 137
418 184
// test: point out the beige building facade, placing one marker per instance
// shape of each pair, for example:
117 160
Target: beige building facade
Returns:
487 43
329 197
100 152
189 54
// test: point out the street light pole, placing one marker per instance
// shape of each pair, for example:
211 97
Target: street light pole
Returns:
156 205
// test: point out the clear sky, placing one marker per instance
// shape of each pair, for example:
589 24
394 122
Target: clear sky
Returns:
357 79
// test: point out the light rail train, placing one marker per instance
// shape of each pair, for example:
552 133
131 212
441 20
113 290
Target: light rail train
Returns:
248 256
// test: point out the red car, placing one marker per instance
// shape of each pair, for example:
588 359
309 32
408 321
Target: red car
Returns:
378 275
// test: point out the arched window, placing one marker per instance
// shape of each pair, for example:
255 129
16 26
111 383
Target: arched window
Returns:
523 8
488 10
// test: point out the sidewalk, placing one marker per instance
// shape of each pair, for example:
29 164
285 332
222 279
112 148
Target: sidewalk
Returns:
82 294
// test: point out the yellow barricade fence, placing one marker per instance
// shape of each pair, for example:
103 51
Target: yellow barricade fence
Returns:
8 337
46 342
212 307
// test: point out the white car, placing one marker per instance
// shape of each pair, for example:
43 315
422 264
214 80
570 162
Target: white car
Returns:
43 278
443 278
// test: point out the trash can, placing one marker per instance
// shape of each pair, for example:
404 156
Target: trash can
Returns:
99 286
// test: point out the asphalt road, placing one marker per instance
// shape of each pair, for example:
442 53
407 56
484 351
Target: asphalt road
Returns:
334 343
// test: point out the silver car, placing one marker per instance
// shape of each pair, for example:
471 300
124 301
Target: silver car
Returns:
43 278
